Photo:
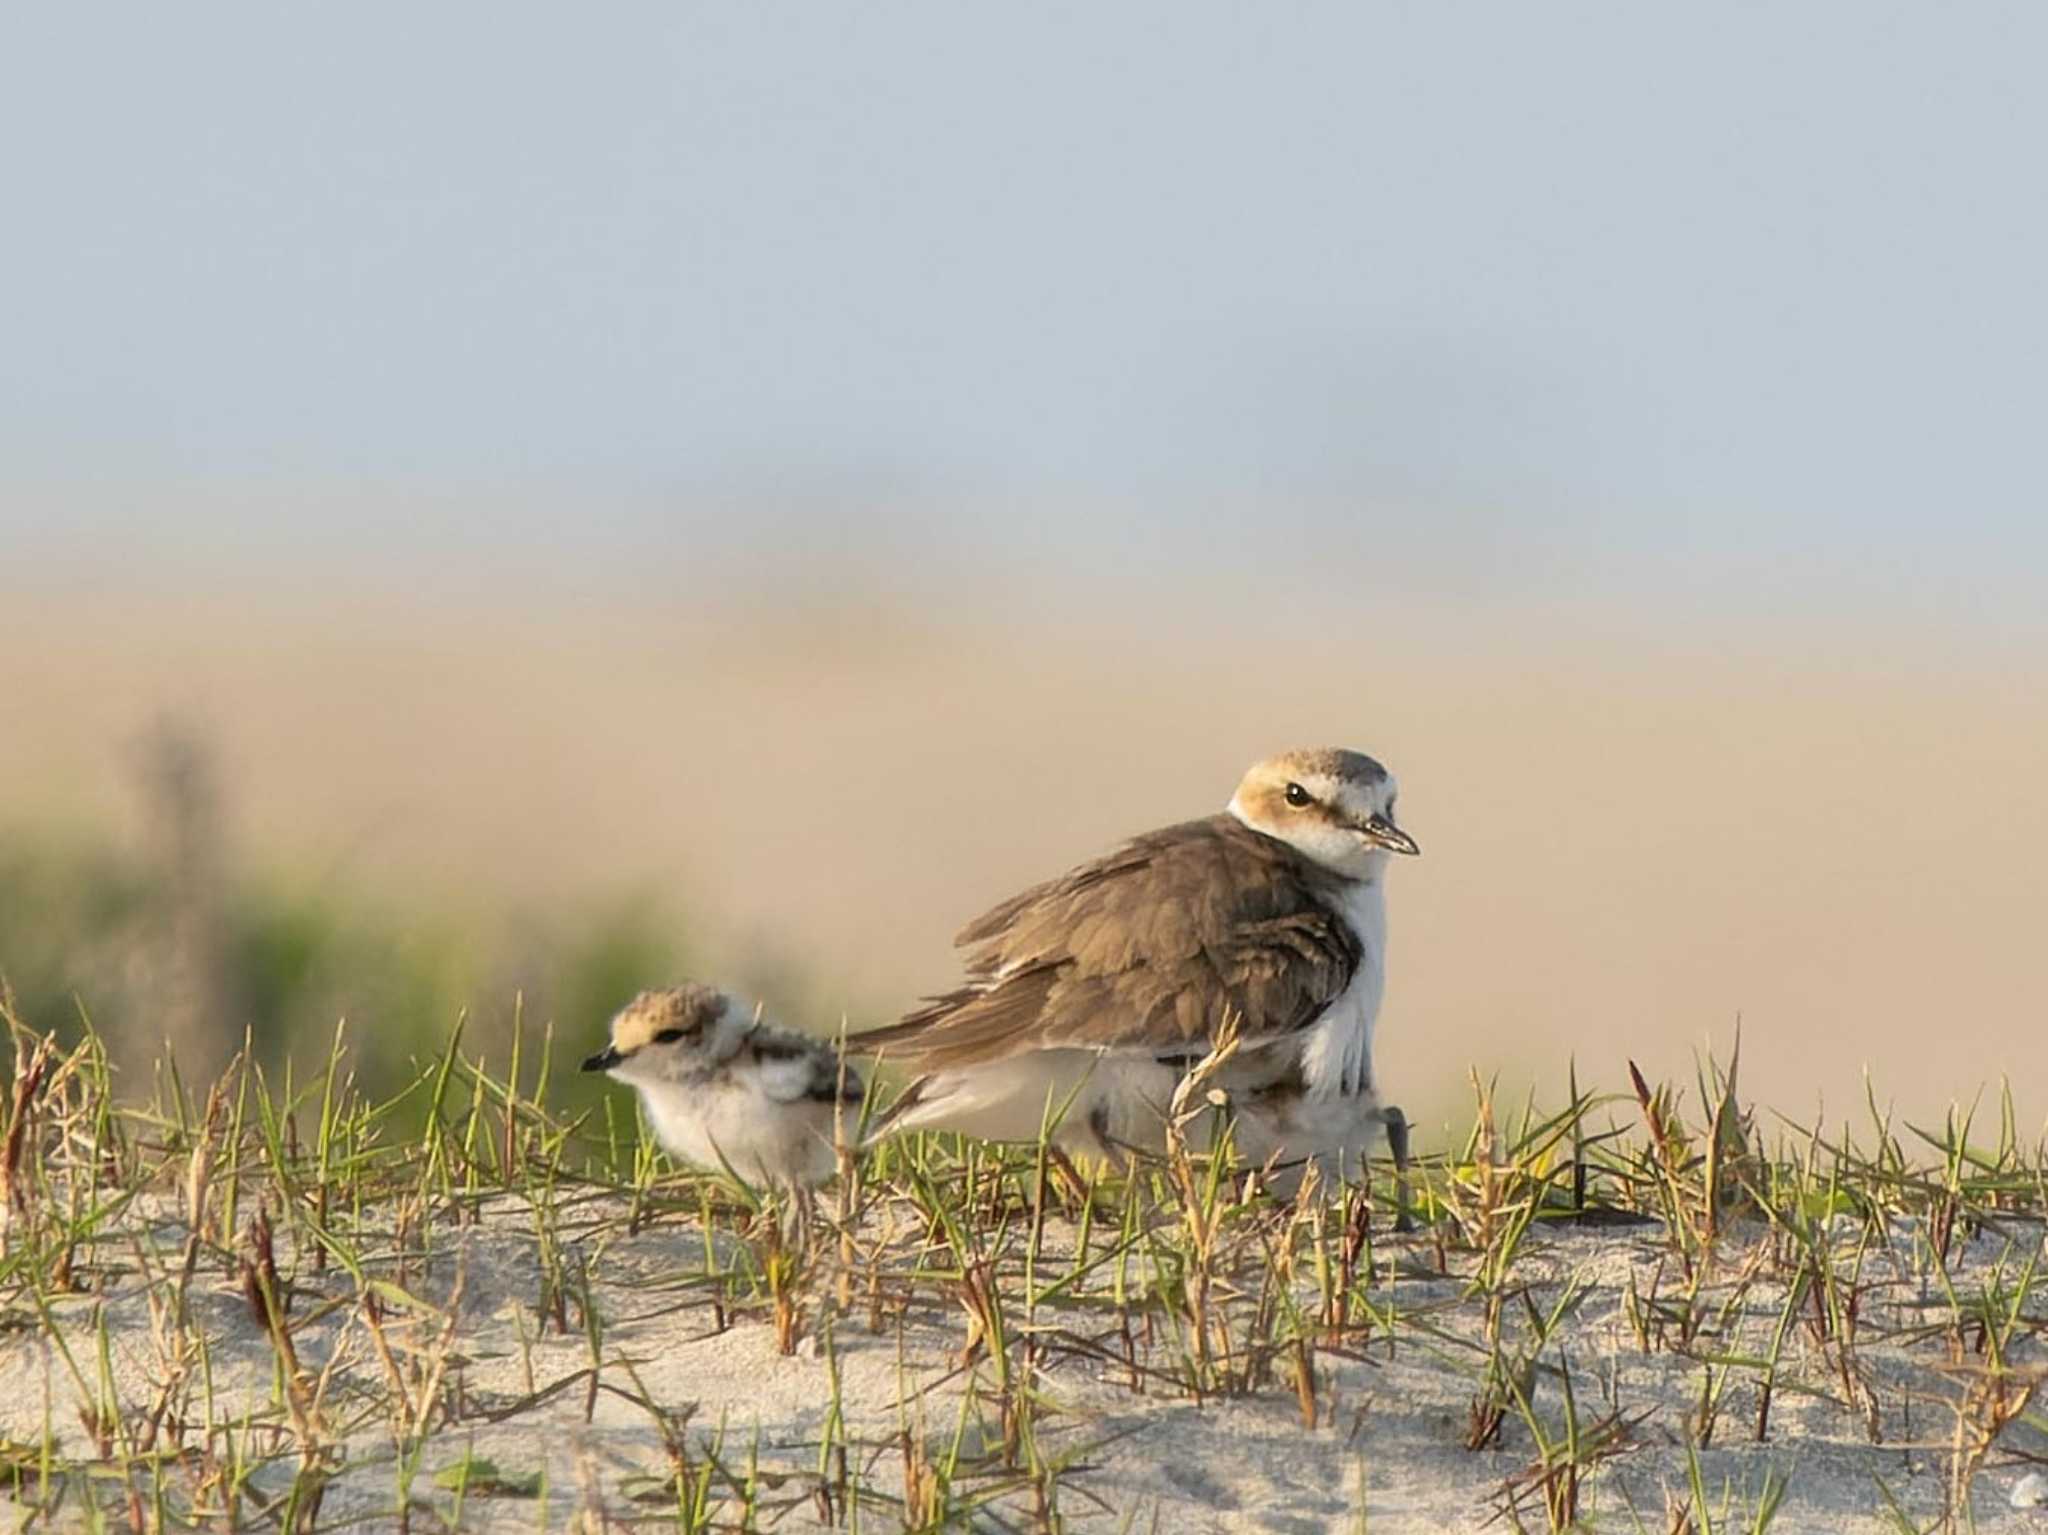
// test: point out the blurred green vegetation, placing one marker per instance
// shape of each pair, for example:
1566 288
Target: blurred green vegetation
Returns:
89 930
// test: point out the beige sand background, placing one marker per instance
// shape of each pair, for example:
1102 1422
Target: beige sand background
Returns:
1635 832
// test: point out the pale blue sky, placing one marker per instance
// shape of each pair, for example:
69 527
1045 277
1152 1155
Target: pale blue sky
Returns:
1743 296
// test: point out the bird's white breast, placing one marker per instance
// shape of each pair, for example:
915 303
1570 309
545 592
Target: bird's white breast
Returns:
1338 1055
737 1122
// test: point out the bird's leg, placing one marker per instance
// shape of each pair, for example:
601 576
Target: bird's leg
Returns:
1061 1169
1396 1124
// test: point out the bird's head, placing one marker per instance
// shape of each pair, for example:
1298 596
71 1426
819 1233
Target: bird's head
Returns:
671 1034
1336 808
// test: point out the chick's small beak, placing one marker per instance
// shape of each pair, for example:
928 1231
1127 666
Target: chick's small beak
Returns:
1381 832
604 1060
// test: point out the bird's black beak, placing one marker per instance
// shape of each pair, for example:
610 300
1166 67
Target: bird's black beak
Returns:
604 1060
1381 832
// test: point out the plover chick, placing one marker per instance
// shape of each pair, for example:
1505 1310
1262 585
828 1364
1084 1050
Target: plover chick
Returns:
1097 991
724 1087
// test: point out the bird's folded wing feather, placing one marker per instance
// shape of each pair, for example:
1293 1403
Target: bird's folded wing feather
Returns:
1147 950
792 1067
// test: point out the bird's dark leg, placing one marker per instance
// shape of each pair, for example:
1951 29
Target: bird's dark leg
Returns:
1061 1169
1397 1147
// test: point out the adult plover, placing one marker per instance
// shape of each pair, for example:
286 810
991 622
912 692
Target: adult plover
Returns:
1094 993
723 1087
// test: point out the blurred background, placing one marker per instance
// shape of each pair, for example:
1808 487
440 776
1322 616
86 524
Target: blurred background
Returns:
496 504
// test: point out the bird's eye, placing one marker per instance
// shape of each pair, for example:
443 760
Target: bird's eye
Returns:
669 1036
1297 796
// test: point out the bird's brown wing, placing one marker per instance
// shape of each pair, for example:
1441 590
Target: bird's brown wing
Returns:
1147 949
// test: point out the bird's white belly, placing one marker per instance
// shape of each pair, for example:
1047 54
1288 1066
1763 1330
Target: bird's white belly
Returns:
1106 1105
1090 1097
1337 1056
762 1140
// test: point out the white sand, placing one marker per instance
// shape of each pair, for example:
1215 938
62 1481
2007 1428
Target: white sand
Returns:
1386 1454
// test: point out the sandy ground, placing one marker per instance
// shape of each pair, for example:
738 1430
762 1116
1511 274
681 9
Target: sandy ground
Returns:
1386 1453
